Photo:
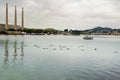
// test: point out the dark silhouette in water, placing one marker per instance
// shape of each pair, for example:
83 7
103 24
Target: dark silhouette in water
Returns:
115 52
36 46
6 52
68 48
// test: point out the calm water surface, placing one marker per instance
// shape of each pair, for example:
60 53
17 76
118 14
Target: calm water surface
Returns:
59 58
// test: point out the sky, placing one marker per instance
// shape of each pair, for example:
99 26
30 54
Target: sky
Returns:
64 14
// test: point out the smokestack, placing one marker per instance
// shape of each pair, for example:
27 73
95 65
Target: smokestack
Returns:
6 25
15 23
22 19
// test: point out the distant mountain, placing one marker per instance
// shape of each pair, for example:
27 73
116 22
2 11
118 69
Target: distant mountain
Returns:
102 28
96 31
99 29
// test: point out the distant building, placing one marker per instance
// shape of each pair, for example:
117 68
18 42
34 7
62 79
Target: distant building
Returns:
10 27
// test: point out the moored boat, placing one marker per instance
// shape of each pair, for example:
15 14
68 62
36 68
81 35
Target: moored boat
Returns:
88 37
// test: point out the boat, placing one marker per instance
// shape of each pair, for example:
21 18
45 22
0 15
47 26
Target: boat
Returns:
88 38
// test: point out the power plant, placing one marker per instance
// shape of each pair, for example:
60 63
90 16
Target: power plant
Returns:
13 29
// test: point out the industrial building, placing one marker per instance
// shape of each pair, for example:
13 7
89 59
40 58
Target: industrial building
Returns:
12 28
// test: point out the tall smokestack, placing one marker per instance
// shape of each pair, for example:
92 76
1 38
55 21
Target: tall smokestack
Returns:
22 19
15 23
6 25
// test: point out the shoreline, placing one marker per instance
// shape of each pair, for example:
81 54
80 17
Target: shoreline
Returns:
95 36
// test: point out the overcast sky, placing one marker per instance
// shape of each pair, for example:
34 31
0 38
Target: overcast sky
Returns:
62 14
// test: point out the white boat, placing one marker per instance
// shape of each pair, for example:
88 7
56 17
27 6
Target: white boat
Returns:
88 38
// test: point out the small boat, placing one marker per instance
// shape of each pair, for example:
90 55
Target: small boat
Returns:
88 38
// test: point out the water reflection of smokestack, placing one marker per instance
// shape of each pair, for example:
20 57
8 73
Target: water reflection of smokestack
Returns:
15 50
6 52
22 50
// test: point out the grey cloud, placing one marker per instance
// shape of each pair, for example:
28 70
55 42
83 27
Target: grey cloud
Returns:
116 4
76 14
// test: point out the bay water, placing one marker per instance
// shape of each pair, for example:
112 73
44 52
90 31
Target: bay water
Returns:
59 57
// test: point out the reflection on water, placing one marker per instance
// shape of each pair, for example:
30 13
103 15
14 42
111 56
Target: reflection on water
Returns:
6 52
22 50
15 51
15 48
